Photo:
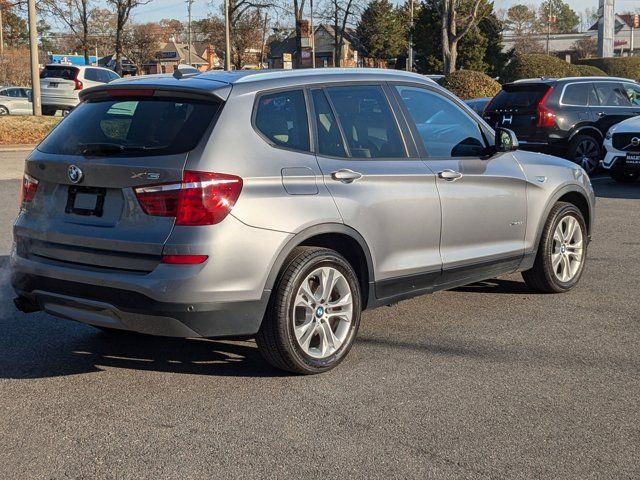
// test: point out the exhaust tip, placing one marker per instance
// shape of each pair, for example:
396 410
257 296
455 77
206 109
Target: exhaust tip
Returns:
25 305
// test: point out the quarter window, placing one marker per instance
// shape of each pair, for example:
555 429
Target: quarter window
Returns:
577 94
282 118
446 130
368 124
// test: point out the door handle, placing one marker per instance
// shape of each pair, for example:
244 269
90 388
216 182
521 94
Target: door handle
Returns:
601 114
449 175
345 175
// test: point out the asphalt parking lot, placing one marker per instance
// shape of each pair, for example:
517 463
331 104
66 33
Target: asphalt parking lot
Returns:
487 381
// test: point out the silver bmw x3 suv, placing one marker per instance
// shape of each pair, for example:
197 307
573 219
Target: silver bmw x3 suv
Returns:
280 205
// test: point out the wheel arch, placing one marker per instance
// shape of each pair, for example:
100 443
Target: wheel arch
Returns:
589 130
571 194
336 236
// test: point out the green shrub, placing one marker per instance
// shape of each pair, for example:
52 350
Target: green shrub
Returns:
627 67
590 71
469 84
537 65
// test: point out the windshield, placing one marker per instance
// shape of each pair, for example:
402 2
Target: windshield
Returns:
118 127
521 96
65 73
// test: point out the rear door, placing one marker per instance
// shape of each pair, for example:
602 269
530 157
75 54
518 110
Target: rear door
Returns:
380 186
483 198
633 93
614 105
58 81
516 107
85 209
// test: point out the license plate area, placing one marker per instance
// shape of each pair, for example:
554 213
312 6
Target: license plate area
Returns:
86 201
633 159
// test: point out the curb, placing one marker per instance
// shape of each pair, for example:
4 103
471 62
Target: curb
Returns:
17 148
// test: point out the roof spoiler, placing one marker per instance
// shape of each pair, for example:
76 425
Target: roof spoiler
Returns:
159 90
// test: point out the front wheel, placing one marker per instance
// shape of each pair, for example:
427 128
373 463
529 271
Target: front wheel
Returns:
585 151
561 253
621 176
4 110
314 312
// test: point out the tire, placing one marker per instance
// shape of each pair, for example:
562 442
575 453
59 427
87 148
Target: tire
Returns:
543 277
586 151
621 176
295 324
4 110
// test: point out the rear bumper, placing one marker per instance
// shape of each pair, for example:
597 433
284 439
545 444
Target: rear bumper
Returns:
60 103
128 310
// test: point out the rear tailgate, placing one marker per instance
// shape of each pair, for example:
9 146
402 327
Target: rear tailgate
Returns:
58 81
85 210
516 107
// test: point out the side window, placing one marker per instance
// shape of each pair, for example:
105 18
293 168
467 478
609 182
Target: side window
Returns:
446 129
282 118
327 130
91 74
13 92
576 94
633 93
367 121
612 95
112 76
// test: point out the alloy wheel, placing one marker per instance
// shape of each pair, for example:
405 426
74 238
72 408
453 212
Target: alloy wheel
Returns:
566 256
322 312
4 111
587 155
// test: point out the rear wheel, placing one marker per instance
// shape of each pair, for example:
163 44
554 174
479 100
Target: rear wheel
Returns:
586 152
314 312
562 251
621 176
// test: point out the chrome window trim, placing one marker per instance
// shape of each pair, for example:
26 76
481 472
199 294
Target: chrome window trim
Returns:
619 82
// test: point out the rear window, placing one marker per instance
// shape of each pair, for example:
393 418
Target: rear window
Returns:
518 96
131 127
65 73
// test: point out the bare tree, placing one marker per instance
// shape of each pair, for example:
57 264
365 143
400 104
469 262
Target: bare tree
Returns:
123 11
74 15
141 43
458 17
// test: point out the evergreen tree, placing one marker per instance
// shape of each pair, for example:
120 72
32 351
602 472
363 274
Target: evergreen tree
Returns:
381 30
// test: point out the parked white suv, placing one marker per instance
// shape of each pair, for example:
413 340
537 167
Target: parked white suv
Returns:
622 145
61 84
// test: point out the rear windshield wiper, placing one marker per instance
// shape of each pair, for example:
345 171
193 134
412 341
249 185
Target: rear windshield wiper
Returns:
112 148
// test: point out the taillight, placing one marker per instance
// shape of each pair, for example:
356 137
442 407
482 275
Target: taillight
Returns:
78 83
202 198
546 116
29 187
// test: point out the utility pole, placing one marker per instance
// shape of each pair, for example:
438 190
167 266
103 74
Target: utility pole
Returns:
410 52
606 25
548 25
189 3
1 35
33 50
227 37
313 37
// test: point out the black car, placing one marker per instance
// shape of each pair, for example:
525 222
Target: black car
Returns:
566 116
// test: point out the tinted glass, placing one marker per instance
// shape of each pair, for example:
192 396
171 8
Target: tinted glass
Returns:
612 95
577 94
446 129
65 73
519 96
91 74
14 93
113 76
282 118
367 122
633 93
327 131
144 126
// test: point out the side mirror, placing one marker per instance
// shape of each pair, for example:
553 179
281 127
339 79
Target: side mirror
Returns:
506 140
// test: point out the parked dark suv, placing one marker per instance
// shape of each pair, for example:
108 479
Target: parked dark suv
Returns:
567 116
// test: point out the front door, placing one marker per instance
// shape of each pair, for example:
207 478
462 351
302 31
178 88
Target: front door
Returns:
383 193
483 198
614 107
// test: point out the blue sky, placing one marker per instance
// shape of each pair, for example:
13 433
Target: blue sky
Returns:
159 9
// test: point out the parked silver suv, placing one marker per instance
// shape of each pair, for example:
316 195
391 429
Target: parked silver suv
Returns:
281 204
